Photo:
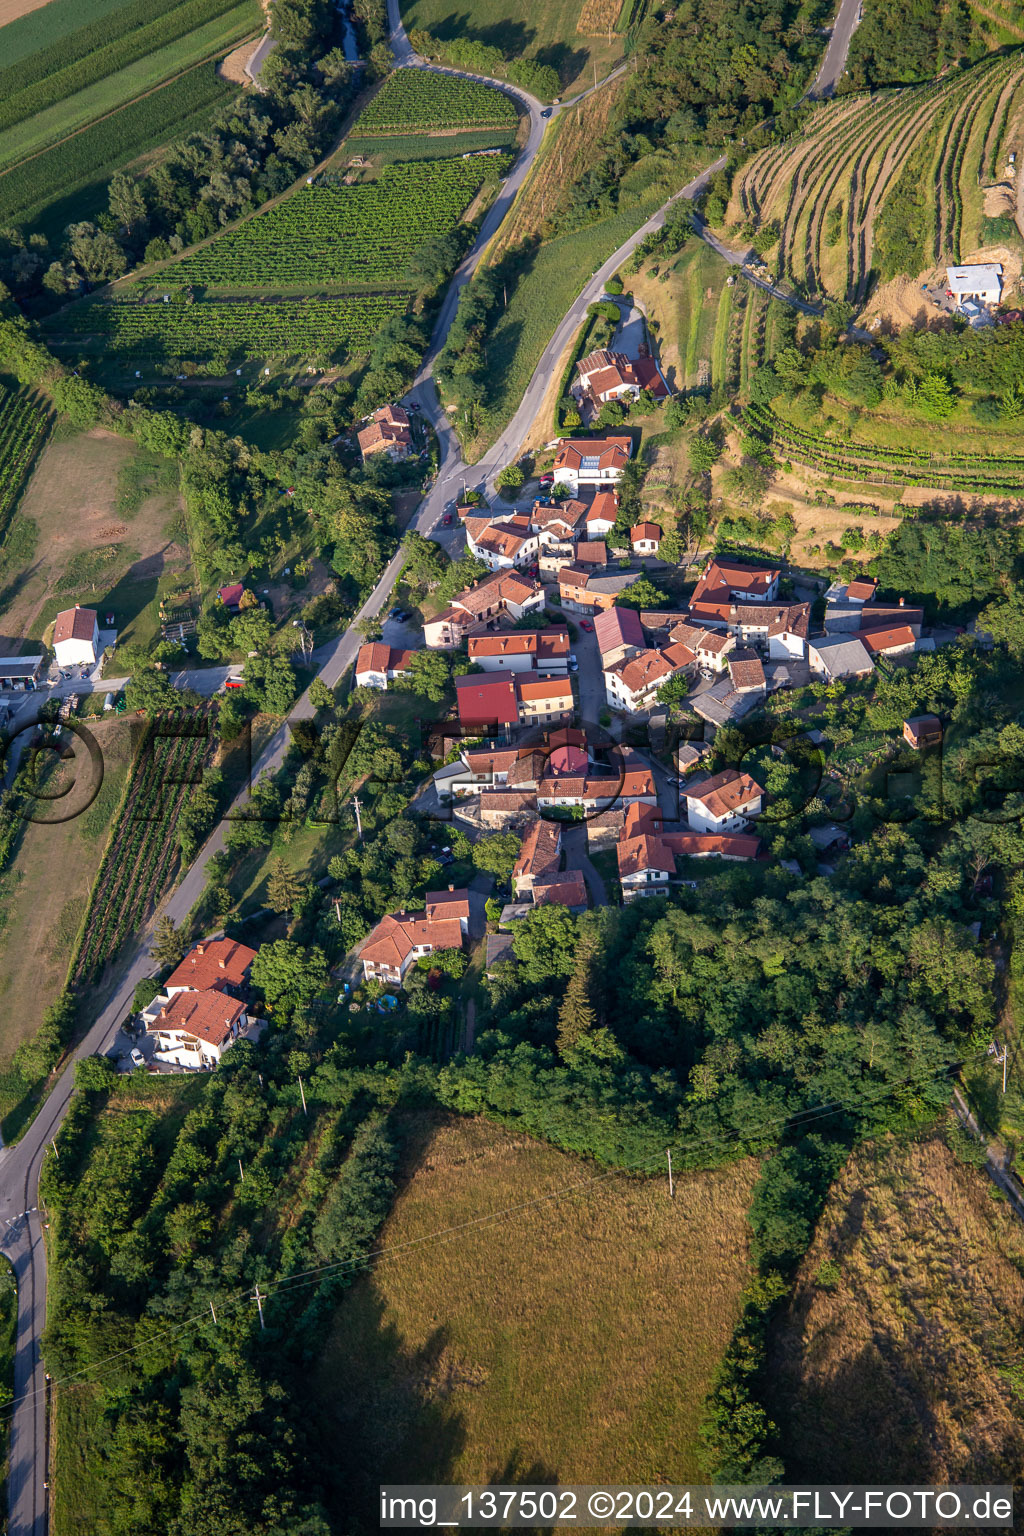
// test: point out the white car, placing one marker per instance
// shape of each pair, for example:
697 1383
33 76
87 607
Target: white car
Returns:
136 1057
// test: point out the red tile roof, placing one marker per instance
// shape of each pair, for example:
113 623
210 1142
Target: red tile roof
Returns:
592 552
547 688
213 963
878 640
618 626
231 596
541 850
723 577
487 700
644 531
610 452
451 903
603 509
207 1015
397 935
521 642
569 890
727 791
74 624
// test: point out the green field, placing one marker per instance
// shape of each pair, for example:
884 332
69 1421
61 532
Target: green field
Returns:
57 73
24 423
105 95
521 29
47 25
541 297
418 99
69 180
387 149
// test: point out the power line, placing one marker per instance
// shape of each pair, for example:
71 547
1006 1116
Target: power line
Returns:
302 1279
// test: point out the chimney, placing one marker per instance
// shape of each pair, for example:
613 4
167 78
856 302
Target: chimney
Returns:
451 887
223 965
902 601
200 949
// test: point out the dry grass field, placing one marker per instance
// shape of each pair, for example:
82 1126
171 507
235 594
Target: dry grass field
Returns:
575 1340
76 539
43 894
905 1364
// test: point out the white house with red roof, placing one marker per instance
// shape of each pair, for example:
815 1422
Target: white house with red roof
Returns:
378 664
387 431
219 965
736 581
605 375
724 803
597 461
645 538
76 637
193 1029
402 938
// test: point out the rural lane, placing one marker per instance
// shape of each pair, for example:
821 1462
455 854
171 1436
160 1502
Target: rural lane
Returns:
21 1229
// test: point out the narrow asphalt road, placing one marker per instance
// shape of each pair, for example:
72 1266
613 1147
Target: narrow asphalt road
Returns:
21 1231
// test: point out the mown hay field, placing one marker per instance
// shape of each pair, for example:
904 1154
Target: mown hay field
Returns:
571 1340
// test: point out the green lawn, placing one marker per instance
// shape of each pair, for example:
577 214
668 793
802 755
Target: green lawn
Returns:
520 29
105 95
541 297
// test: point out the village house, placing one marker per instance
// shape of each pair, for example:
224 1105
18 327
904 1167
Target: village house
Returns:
522 650
619 634
76 637
193 1028
596 793
378 664
976 286
846 616
216 965
583 591
387 431
597 461
592 554
898 641
605 375
450 904
713 650
567 890
544 701
540 856
736 581
501 598
746 672
231 596
724 803
838 656
487 706
632 684
599 518
645 538
502 545
402 938
647 855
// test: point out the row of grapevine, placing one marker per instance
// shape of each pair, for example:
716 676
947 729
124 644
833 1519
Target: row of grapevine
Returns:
281 329
141 851
418 98
24 424
328 236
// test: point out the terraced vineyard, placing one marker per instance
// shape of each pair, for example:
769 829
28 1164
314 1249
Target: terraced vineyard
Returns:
993 473
331 265
827 187
24 423
413 99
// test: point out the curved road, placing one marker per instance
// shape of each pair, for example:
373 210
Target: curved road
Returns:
21 1229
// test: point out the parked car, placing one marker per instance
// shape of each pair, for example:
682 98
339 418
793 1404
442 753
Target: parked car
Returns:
547 479
546 112
449 519
136 1057
586 624
574 665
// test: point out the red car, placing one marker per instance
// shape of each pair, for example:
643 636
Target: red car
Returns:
585 624
449 519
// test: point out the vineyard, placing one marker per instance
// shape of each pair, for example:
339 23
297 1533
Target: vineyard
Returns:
413 99
282 328
360 238
977 472
141 852
24 423
829 188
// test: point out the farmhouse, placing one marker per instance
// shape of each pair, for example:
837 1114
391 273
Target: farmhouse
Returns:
632 684
76 636
583 591
597 461
974 286
521 650
599 518
723 803
746 672
378 664
838 656
736 581
500 545
387 432
899 641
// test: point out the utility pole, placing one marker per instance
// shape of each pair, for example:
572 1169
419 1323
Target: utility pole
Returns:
337 910
359 823
241 1170
259 1305
56 1154
214 1313
671 1183
302 1093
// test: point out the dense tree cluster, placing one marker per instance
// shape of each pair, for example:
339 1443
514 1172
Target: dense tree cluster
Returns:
900 41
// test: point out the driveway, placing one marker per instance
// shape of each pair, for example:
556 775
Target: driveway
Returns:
589 678
574 842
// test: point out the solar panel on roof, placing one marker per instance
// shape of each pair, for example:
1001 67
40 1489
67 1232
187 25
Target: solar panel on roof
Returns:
590 461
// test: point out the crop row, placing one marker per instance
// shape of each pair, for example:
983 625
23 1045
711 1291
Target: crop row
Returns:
962 471
100 149
284 328
326 236
418 98
24 91
24 423
141 850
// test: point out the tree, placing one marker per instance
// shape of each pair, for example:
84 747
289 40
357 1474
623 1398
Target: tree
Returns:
704 451
545 943
429 672
497 854
127 202
511 478
284 888
147 989
169 944
289 976
96 253
425 561
320 696
269 683
642 594
576 1016
370 627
